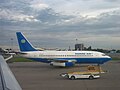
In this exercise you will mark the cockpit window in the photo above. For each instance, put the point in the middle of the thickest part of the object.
(103, 55)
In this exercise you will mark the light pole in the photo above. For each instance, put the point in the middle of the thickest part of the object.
(76, 41)
(11, 44)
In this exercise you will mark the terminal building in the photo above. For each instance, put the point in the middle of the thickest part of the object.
(79, 47)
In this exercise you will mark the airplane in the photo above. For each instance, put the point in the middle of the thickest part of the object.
(7, 79)
(59, 58)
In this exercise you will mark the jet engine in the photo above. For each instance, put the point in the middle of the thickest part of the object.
(62, 64)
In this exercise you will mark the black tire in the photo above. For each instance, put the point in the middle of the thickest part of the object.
(72, 78)
(51, 64)
(91, 77)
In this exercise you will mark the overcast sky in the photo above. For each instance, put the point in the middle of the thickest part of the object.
(57, 23)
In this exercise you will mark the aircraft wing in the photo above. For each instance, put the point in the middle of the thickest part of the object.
(7, 79)
(62, 62)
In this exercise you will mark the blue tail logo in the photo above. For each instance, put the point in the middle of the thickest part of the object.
(24, 44)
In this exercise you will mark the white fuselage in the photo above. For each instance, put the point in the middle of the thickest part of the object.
(68, 55)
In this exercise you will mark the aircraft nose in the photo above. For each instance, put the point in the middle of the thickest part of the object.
(109, 58)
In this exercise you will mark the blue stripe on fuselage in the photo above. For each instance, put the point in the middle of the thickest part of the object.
(79, 60)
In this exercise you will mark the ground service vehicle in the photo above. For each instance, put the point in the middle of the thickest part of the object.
(76, 75)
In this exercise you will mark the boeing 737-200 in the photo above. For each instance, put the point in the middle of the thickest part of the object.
(59, 58)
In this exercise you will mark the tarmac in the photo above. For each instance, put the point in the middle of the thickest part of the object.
(41, 76)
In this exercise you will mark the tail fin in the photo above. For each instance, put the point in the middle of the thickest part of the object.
(24, 44)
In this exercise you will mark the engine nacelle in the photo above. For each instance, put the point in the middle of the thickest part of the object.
(62, 64)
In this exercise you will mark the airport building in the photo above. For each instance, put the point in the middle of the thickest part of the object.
(79, 47)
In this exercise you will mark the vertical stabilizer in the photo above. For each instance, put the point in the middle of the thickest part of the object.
(24, 44)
